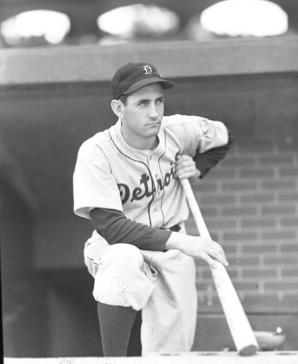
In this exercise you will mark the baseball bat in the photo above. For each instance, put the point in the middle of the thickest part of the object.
(241, 331)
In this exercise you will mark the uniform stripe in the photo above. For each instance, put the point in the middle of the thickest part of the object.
(149, 172)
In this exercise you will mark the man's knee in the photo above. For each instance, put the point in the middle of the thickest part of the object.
(124, 255)
(121, 280)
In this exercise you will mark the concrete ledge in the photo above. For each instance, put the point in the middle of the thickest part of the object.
(173, 59)
(281, 357)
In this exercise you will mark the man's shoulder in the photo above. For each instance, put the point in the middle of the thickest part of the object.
(179, 120)
(177, 123)
(92, 145)
(172, 120)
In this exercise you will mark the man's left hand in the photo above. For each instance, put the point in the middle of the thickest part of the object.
(186, 168)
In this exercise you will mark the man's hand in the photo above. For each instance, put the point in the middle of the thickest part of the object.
(186, 168)
(198, 247)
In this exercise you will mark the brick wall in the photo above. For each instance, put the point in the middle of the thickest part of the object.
(250, 204)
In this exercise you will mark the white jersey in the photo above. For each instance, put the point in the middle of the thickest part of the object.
(140, 183)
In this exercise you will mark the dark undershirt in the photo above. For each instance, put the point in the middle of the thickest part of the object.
(116, 228)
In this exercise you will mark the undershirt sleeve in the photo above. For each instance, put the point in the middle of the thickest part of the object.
(207, 160)
(116, 228)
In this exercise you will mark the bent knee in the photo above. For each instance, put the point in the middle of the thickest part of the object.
(125, 254)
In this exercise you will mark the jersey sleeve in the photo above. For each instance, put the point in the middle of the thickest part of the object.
(205, 140)
(93, 183)
(209, 159)
(197, 134)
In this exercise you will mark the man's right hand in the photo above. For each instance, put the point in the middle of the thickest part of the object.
(198, 247)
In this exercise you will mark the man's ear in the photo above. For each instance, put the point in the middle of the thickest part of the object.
(117, 107)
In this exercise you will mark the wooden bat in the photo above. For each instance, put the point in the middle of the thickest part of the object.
(241, 331)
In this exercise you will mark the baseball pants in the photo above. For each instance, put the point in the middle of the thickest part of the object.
(161, 284)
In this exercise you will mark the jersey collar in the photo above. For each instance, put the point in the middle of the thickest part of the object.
(137, 154)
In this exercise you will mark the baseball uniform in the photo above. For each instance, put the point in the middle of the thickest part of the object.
(140, 184)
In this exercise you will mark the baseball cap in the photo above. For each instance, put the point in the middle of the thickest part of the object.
(133, 76)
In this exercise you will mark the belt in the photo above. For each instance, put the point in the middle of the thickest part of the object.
(175, 228)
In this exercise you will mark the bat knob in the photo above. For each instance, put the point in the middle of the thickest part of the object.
(248, 350)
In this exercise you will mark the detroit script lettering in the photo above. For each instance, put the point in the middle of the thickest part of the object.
(146, 188)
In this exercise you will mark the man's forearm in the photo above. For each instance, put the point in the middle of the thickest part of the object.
(116, 228)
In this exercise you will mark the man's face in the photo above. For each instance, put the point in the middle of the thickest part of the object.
(143, 114)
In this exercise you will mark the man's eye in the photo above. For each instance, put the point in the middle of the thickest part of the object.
(159, 101)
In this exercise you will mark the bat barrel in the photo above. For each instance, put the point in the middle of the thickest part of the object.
(242, 333)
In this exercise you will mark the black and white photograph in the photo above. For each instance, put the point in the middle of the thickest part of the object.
(149, 181)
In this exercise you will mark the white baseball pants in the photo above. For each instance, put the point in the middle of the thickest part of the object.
(161, 284)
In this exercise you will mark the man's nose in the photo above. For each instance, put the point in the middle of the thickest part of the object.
(153, 112)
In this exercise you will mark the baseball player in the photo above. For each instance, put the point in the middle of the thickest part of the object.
(127, 182)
